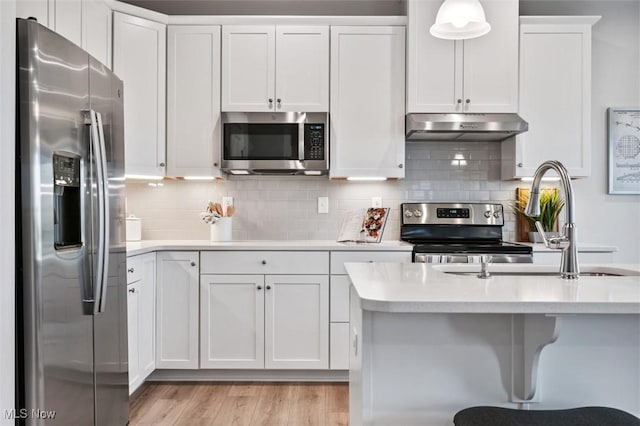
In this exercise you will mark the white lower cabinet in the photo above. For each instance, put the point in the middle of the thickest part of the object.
(339, 299)
(232, 321)
(177, 310)
(278, 320)
(141, 277)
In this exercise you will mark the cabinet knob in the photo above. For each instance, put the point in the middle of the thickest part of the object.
(131, 270)
(215, 164)
(193, 263)
(279, 101)
(270, 103)
(264, 262)
(459, 101)
(132, 290)
(400, 166)
(520, 165)
(468, 101)
(161, 164)
(259, 287)
(268, 287)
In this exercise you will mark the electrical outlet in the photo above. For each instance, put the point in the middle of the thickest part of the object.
(376, 201)
(226, 201)
(323, 204)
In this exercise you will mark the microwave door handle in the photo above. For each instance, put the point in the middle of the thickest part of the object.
(301, 141)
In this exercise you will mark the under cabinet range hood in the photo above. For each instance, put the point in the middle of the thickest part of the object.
(463, 127)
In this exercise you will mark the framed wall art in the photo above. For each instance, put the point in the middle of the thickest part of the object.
(624, 150)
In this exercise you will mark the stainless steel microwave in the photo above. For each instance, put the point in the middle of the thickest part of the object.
(275, 143)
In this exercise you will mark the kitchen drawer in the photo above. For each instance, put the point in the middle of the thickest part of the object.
(134, 269)
(264, 262)
(339, 298)
(339, 258)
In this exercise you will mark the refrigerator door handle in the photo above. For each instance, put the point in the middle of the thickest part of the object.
(103, 188)
(100, 270)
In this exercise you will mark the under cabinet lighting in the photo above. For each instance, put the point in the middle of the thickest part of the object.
(313, 173)
(199, 178)
(367, 178)
(143, 177)
(547, 179)
(239, 172)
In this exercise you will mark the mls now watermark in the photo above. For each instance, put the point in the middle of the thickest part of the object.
(23, 413)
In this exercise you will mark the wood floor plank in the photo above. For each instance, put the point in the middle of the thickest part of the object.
(228, 403)
(273, 405)
(309, 404)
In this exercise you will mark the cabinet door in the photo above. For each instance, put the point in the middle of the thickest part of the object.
(133, 328)
(367, 102)
(96, 30)
(232, 321)
(555, 87)
(193, 94)
(177, 310)
(248, 68)
(38, 9)
(434, 77)
(491, 62)
(147, 316)
(302, 68)
(67, 18)
(139, 48)
(296, 321)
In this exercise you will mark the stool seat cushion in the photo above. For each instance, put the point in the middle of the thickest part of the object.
(583, 416)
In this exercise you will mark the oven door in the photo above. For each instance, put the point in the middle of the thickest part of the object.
(269, 143)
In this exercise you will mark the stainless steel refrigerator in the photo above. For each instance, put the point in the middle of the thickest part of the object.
(71, 284)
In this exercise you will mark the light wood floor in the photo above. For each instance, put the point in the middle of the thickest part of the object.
(226, 404)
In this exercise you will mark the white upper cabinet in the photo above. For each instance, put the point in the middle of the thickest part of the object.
(96, 30)
(302, 68)
(476, 75)
(269, 68)
(367, 101)
(193, 101)
(555, 96)
(139, 59)
(38, 9)
(67, 19)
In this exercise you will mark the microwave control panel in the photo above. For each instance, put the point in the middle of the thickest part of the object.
(314, 141)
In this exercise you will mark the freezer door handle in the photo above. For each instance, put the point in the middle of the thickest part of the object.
(102, 273)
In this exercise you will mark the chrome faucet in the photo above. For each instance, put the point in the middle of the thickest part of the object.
(567, 242)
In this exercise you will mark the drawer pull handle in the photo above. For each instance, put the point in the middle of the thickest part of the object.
(131, 270)
(132, 290)
(264, 262)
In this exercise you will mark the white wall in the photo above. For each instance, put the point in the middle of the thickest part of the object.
(612, 219)
(7, 249)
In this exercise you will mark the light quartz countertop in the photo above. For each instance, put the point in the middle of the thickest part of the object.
(410, 287)
(585, 248)
(146, 246)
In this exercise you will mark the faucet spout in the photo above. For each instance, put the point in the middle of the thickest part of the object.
(568, 241)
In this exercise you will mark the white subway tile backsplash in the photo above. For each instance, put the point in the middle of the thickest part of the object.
(286, 207)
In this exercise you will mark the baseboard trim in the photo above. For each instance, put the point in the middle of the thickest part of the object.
(250, 375)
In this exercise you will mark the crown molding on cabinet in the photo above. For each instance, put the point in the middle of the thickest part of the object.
(254, 19)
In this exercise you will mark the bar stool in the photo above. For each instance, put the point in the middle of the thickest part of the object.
(583, 416)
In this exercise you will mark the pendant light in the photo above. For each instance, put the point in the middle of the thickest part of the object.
(459, 20)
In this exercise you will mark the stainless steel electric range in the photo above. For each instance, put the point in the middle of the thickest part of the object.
(459, 233)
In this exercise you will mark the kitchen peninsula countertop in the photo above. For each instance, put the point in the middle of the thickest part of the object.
(428, 288)
(146, 246)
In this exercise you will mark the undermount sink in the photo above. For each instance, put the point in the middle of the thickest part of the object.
(530, 270)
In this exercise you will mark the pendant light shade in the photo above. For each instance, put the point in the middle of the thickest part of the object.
(459, 20)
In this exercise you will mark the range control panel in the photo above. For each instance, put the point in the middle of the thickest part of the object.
(452, 214)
